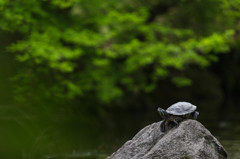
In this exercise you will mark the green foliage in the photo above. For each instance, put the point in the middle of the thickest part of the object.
(101, 48)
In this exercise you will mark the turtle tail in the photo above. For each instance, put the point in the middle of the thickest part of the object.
(195, 115)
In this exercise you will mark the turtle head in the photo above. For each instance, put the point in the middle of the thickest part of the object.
(163, 113)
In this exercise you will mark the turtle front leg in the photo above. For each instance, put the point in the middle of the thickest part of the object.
(163, 126)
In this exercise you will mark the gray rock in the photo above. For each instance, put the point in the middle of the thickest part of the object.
(190, 140)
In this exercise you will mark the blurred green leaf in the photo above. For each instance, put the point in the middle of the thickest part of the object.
(105, 48)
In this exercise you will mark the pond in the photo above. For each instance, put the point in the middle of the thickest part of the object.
(23, 136)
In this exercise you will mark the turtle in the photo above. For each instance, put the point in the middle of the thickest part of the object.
(177, 113)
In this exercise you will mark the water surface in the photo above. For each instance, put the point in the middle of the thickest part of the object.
(63, 137)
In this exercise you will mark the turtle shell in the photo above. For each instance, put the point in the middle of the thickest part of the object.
(181, 108)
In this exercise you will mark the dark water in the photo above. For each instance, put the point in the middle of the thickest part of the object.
(25, 136)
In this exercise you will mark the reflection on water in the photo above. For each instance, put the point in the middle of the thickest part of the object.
(26, 137)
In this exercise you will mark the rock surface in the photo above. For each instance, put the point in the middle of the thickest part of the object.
(190, 140)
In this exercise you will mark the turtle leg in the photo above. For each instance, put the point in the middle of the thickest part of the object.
(195, 114)
(169, 125)
(176, 122)
(163, 126)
